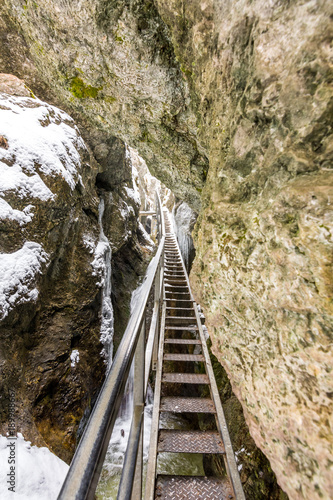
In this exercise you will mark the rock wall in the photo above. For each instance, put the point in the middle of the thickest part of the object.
(50, 303)
(263, 268)
(113, 65)
(184, 219)
(245, 84)
(53, 267)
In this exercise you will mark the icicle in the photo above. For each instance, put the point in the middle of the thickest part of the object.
(107, 328)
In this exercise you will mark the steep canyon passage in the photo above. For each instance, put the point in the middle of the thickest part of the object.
(176, 349)
(225, 109)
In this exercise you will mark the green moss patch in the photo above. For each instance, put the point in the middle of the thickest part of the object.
(82, 91)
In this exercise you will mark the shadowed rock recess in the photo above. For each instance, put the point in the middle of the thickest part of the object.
(230, 103)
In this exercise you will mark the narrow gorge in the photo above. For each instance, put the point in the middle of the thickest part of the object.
(229, 104)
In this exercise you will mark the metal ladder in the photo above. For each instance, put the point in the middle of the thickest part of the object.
(181, 333)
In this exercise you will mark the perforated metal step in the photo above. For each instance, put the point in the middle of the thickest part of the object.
(193, 488)
(187, 303)
(182, 341)
(176, 441)
(175, 295)
(176, 288)
(187, 405)
(185, 378)
(179, 308)
(185, 328)
(183, 357)
(170, 278)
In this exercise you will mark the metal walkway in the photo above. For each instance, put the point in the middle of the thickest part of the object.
(183, 367)
(174, 346)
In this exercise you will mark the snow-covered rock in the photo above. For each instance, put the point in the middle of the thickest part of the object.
(39, 473)
(50, 305)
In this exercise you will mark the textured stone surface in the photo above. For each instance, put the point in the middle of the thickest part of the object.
(263, 269)
(37, 336)
(58, 309)
(248, 85)
(118, 72)
(12, 85)
(264, 245)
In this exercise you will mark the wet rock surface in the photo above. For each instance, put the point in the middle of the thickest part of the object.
(51, 301)
(39, 332)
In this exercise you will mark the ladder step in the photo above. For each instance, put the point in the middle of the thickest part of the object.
(180, 308)
(187, 328)
(193, 488)
(170, 299)
(175, 288)
(176, 441)
(187, 405)
(176, 282)
(174, 275)
(182, 341)
(183, 357)
(181, 319)
(185, 378)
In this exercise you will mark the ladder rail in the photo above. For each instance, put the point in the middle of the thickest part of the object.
(228, 454)
(152, 453)
(230, 460)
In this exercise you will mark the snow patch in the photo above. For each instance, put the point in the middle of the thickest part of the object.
(42, 139)
(18, 272)
(40, 473)
(98, 264)
(133, 194)
(75, 357)
(21, 216)
(89, 242)
(26, 186)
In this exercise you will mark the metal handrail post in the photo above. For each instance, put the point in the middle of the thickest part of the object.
(126, 485)
(157, 300)
(139, 401)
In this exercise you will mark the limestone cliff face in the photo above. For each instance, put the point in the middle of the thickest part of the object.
(53, 267)
(50, 302)
(247, 85)
(113, 64)
(264, 237)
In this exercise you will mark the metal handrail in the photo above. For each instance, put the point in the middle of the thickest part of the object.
(86, 466)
